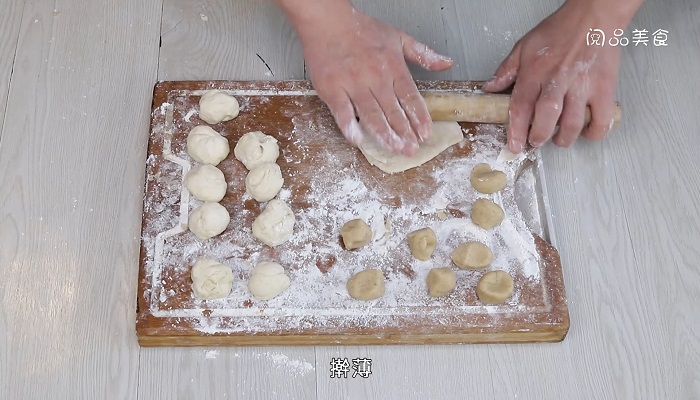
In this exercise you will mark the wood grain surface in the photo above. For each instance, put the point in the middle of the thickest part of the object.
(625, 210)
(305, 130)
(10, 19)
(73, 141)
(244, 40)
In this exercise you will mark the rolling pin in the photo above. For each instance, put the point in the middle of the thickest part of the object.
(483, 108)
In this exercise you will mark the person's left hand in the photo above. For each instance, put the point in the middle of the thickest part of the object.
(558, 75)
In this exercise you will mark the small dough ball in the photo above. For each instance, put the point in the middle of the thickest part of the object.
(472, 255)
(255, 148)
(441, 281)
(495, 287)
(264, 181)
(366, 285)
(275, 224)
(206, 146)
(267, 280)
(486, 180)
(209, 220)
(422, 243)
(206, 183)
(216, 106)
(211, 279)
(355, 233)
(487, 214)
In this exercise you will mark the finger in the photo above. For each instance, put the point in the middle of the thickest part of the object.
(522, 105)
(414, 106)
(602, 112)
(374, 122)
(547, 112)
(420, 54)
(396, 117)
(344, 115)
(572, 120)
(506, 72)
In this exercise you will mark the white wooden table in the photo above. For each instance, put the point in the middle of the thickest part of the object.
(75, 91)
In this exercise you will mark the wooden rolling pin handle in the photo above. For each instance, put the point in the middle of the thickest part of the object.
(483, 108)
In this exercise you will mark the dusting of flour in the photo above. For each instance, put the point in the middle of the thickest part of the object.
(316, 263)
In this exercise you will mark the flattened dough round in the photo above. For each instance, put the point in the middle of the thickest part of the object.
(472, 255)
(216, 106)
(441, 281)
(264, 181)
(366, 285)
(255, 148)
(275, 224)
(494, 287)
(267, 280)
(355, 233)
(211, 279)
(486, 180)
(206, 146)
(422, 243)
(206, 183)
(487, 214)
(445, 135)
(209, 220)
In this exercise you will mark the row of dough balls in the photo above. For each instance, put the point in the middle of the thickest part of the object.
(494, 287)
(206, 182)
(258, 152)
(214, 280)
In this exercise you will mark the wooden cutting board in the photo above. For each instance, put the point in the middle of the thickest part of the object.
(328, 182)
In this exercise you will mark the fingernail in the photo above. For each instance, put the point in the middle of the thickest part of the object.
(424, 132)
(516, 146)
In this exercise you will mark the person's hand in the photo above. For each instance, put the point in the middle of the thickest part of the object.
(358, 67)
(557, 75)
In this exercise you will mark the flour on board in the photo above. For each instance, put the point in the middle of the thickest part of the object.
(319, 269)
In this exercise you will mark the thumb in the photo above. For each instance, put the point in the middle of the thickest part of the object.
(506, 72)
(420, 54)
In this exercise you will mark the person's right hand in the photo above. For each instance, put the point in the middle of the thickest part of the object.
(358, 67)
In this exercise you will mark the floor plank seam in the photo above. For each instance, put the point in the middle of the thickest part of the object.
(444, 23)
(160, 38)
(624, 215)
(12, 72)
(315, 360)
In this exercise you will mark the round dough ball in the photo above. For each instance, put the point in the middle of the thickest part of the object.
(487, 214)
(206, 183)
(275, 224)
(216, 106)
(264, 181)
(486, 180)
(472, 255)
(267, 280)
(422, 243)
(494, 287)
(206, 146)
(255, 148)
(209, 220)
(366, 285)
(355, 233)
(211, 279)
(441, 281)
